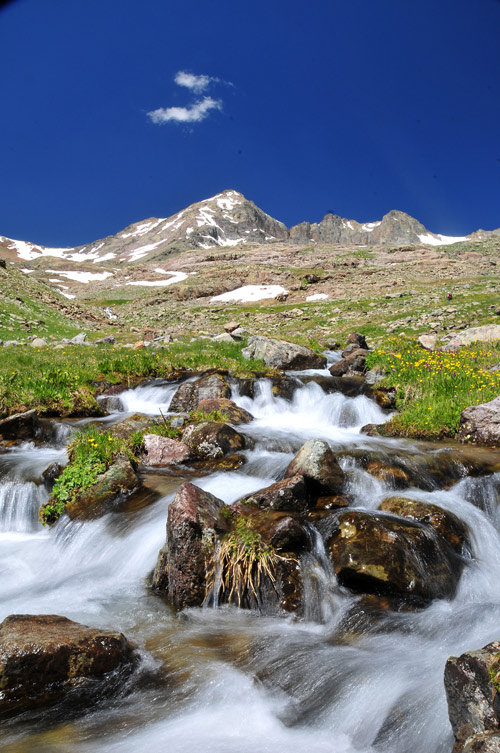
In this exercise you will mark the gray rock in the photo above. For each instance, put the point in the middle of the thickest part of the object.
(212, 440)
(317, 463)
(427, 341)
(20, 425)
(290, 495)
(190, 394)
(480, 424)
(225, 337)
(79, 339)
(39, 342)
(278, 354)
(162, 451)
(471, 683)
(108, 340)
(486, 333)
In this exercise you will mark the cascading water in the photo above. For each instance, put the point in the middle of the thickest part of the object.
(339, 680)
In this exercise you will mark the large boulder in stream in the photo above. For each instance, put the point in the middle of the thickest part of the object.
(290, 494)
(45, 658)
(472, 683)
(400, 559)
(228, 409)
(278, 354)
(190, 394)
(211, 440)
(163, 451)
(446, 524)
(318, 465)
(195, 520)
(20, 425)
(480, 424)
(111, 489)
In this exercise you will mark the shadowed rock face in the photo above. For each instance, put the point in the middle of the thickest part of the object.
(389, 556)
(190, 394)
(111, 488)
(316, 462)
(43, 657)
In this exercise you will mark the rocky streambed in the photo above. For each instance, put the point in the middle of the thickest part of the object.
(374, 561)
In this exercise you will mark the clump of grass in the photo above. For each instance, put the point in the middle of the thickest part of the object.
(433, 388)
(239, 564)
(90, 454)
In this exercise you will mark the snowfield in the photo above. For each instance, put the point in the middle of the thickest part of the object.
(250, 293)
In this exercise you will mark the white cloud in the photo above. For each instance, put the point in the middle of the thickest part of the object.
(193, 114)
(190, 81)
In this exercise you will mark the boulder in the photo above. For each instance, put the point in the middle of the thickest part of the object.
(485, 333)
(480, 424)
(20, 425)
(227, 408)
(288, 535)
(278, 354)
(190, 394)
(212, 440)
(290, 494)
(446, 524)
(396, 477)
(231, 326)
(161, 451)
(44, 657)
(428, 341)
(317, 463)
(353, 363)
(380, 554)
(124, 429)
(194, 521)
(108, 340)
(38, 342)
(357, 339)
(472, 690)
(79, 339)
(111, 489)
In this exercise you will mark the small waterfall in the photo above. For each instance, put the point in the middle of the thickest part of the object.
(19, 505)
(321, 596)
(151, 399)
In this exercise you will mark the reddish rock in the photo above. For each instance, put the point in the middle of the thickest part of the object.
(42, 657)
(160, 451)
(193, 523)
(190, 394)
(212, 440)
(480, 424)
(228, 409)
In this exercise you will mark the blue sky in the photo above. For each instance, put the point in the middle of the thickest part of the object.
(350, 106)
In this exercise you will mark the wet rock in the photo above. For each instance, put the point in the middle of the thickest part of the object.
(227, 408)
(288, 535)
(351, 386)
(20, 425)
(446, 524)
(44, 657)
(110, 403)
(124, 429)
(190, 394)
(194, 522)
(480, 424)
(51, 473)
(110, 490)
(278, 354)
(389, 556)
(161, 451)
(212, 439)
(389, 474)
(290, 494)
(472, 690)
(317, 463)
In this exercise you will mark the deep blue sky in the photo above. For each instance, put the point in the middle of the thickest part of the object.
(350, 106)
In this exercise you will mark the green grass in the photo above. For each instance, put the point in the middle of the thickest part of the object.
(433, 388)
(90, 454)
(64, 382)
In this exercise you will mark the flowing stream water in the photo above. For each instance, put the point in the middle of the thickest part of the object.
(223, 680)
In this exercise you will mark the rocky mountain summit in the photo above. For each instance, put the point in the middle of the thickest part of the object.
(225, 220)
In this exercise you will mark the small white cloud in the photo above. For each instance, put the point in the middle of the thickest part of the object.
(193, 114)
(190, 81)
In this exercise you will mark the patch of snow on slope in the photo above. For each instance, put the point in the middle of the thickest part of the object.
(370, 226)
(249, 293)
(85, 277)
(317, 297)
(144, 227)
(138, 253)
(227, 202)
(176, 277)
(66, 295)
(441, 240)
(30, 251)
(27, 271)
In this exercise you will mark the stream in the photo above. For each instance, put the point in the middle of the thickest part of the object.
(225, 680)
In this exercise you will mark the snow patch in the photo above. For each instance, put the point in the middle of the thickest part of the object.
(138, 253)
(441, 240)
(370, 226)
(317, 297)
(84, 277)
(249, 293)
(176, 277)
